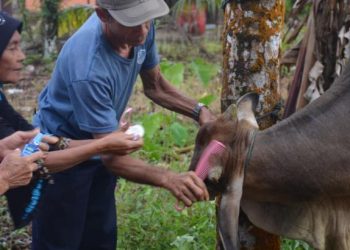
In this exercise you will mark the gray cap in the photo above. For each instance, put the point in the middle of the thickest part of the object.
(134, 12)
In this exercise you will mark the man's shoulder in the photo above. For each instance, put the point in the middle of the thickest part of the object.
(79, 53)
(87, 35)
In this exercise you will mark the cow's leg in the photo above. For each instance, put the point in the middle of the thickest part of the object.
(229, 213)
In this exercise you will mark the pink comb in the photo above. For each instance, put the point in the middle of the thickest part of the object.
(203, 166)
(214, 148)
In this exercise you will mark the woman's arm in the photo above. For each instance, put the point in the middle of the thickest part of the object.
(115, 143)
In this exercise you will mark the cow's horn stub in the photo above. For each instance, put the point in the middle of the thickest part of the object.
(246, 106)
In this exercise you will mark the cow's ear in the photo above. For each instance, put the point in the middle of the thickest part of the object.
(230, 113)
(246, 106)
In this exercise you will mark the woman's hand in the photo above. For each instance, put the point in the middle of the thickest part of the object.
(16, 170)
(16, 140)
(20, 138)
(47, 139)
(120, 143)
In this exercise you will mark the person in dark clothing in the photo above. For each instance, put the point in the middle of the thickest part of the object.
(10, 120)
(10, 28)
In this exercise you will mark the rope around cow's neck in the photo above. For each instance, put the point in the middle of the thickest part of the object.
(250, 149)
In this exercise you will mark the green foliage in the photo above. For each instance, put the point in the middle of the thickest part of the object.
(295, 245)
(47, 63)
(207, 99)
(72, 18)
(213, 47)
(49, 12)
(178, 134)
(173, 72)
(204, 71)
(163, 134)
(289, 6)
(24, 13)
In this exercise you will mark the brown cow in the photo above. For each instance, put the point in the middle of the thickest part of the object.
(292, 179)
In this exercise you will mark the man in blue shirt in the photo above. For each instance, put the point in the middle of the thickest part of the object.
(89, 89)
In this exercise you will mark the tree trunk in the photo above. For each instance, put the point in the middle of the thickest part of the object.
(251, 47)
(50, 9)
(323, 54)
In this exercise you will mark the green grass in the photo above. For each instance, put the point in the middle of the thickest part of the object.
(147, 219)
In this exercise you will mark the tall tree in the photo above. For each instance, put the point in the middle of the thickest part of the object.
(251, 47)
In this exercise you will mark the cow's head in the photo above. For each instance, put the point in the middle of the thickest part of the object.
(234, 128)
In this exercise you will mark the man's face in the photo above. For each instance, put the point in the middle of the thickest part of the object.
(132, 36)
(11, 60)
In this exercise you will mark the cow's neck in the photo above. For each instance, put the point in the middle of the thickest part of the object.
(307, 155)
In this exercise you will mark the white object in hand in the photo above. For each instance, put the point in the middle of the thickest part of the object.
(136, 130)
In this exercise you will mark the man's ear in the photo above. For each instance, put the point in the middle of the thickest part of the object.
(103, 15)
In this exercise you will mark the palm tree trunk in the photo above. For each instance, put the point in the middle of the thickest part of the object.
(251, 47)
(323, 54)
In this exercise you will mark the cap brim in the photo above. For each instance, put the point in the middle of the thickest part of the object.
(141, 13)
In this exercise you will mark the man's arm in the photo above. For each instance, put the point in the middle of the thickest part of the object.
(159, 90)
(186, 187)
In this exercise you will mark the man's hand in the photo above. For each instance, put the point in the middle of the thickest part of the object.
(16, 170)
(186, 187)
(120, 143)
(206, 116)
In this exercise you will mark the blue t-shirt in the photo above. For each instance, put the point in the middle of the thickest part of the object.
(91, 84)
